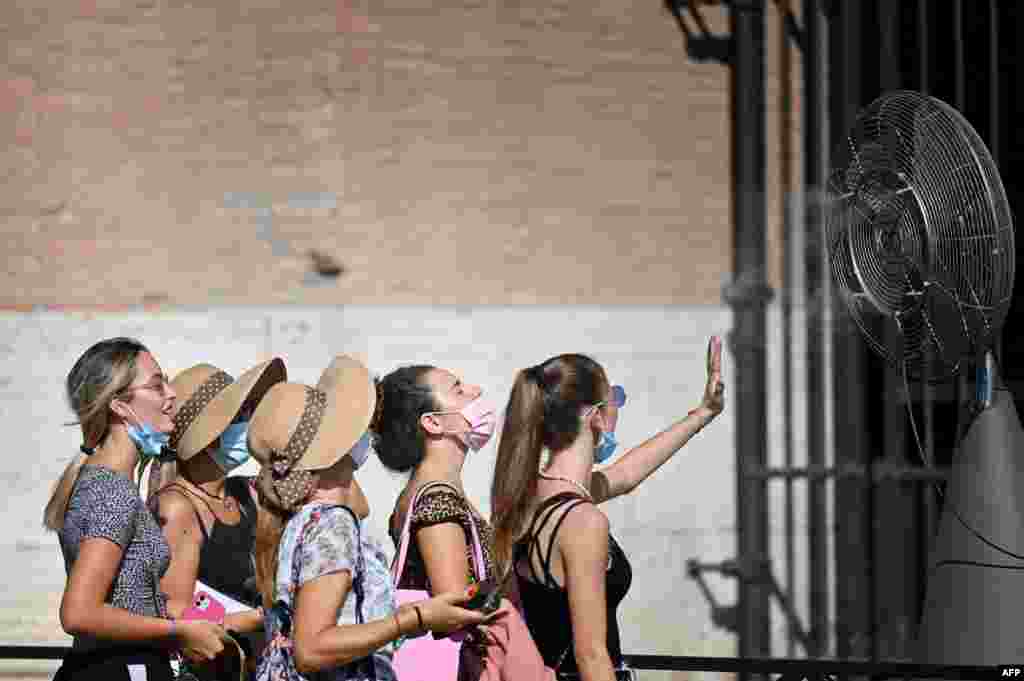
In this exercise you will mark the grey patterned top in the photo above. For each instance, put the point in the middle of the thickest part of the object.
(105, 503)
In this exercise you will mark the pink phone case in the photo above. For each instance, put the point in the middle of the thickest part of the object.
(205, 607)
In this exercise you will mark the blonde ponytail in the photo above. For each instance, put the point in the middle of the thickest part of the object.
(102, 373)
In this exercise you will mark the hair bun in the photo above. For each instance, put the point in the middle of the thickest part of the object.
(535, 374)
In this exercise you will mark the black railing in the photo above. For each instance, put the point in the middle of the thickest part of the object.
(814, 669)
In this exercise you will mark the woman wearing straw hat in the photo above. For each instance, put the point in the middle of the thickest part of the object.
(209, 519)
(113, 549)
(333, 606)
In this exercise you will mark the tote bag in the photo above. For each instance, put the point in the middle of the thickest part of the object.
(425, 658)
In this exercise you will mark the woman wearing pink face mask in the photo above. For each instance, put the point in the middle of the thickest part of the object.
(428, 421)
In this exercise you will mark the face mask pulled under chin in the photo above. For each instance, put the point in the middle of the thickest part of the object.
(605, 448)
(606, 445)
(149, 441)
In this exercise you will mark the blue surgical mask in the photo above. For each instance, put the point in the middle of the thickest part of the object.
(605, 447)
(360, 451)
(234, 447)
(150, 442)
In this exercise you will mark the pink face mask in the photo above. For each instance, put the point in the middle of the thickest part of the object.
(481, 417)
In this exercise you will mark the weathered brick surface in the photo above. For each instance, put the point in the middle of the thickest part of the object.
(469, 151)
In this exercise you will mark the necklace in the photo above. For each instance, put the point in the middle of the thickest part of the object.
(575, 483)
(227, 501)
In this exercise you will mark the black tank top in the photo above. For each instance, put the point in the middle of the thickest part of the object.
(225, 559)
(546, 604)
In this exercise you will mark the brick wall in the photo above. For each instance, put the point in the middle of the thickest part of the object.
(462, 151)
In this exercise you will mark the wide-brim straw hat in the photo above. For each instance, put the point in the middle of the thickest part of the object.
(210, 400)
(297, 429)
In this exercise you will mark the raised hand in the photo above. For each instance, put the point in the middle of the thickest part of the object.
(714, 391)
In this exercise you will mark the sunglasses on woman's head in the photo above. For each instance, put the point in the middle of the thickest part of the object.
(616, 397)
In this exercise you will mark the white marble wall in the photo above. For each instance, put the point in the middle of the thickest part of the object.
(687, 510)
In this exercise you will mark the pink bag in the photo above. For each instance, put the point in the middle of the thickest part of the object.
(426, 658)
(511, 654)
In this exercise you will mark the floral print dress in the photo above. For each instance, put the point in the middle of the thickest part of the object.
(318, 540)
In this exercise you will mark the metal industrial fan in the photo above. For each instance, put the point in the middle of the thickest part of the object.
(920, 240)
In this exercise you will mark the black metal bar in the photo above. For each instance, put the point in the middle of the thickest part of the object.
(813, 666)
(15, 651)
(959, 81)
(854, 502)
(929, 506)
(748, 294)
(815, 178)
(678, 663)
(923, 74)
(993, 106)
(786, 187)
(895, 579)
(960, 382)
(876, 472)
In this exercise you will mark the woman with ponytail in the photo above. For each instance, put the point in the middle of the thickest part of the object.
(114, 552)
(570, 571)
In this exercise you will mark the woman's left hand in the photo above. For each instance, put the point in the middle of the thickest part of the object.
(714, 391)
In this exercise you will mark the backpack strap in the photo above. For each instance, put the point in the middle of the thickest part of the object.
(357, 582)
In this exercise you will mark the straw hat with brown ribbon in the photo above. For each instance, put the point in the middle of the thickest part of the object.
(210, 400)
(297, 430)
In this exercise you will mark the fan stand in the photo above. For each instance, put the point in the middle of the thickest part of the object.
(975, 593)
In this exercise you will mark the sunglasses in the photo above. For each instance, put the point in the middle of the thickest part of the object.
(617, 397)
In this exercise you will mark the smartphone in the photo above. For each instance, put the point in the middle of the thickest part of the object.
(205, 607)
(487, 597)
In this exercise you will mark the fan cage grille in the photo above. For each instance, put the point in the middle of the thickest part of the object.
(920, 234)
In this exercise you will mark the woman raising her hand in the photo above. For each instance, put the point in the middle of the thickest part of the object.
(571, 572)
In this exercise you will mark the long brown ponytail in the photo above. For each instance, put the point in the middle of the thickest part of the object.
(515, 471)
(543, 411)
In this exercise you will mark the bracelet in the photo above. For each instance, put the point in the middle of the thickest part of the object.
(398, 623)
(174, 627)
(419, 617)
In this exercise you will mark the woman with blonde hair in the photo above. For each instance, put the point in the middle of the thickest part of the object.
(570, 571)
(114, 552)
(325, 583)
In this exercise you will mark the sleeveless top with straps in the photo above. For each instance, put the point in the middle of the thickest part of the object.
(225, 559)
(442, 503)
(546, 603)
